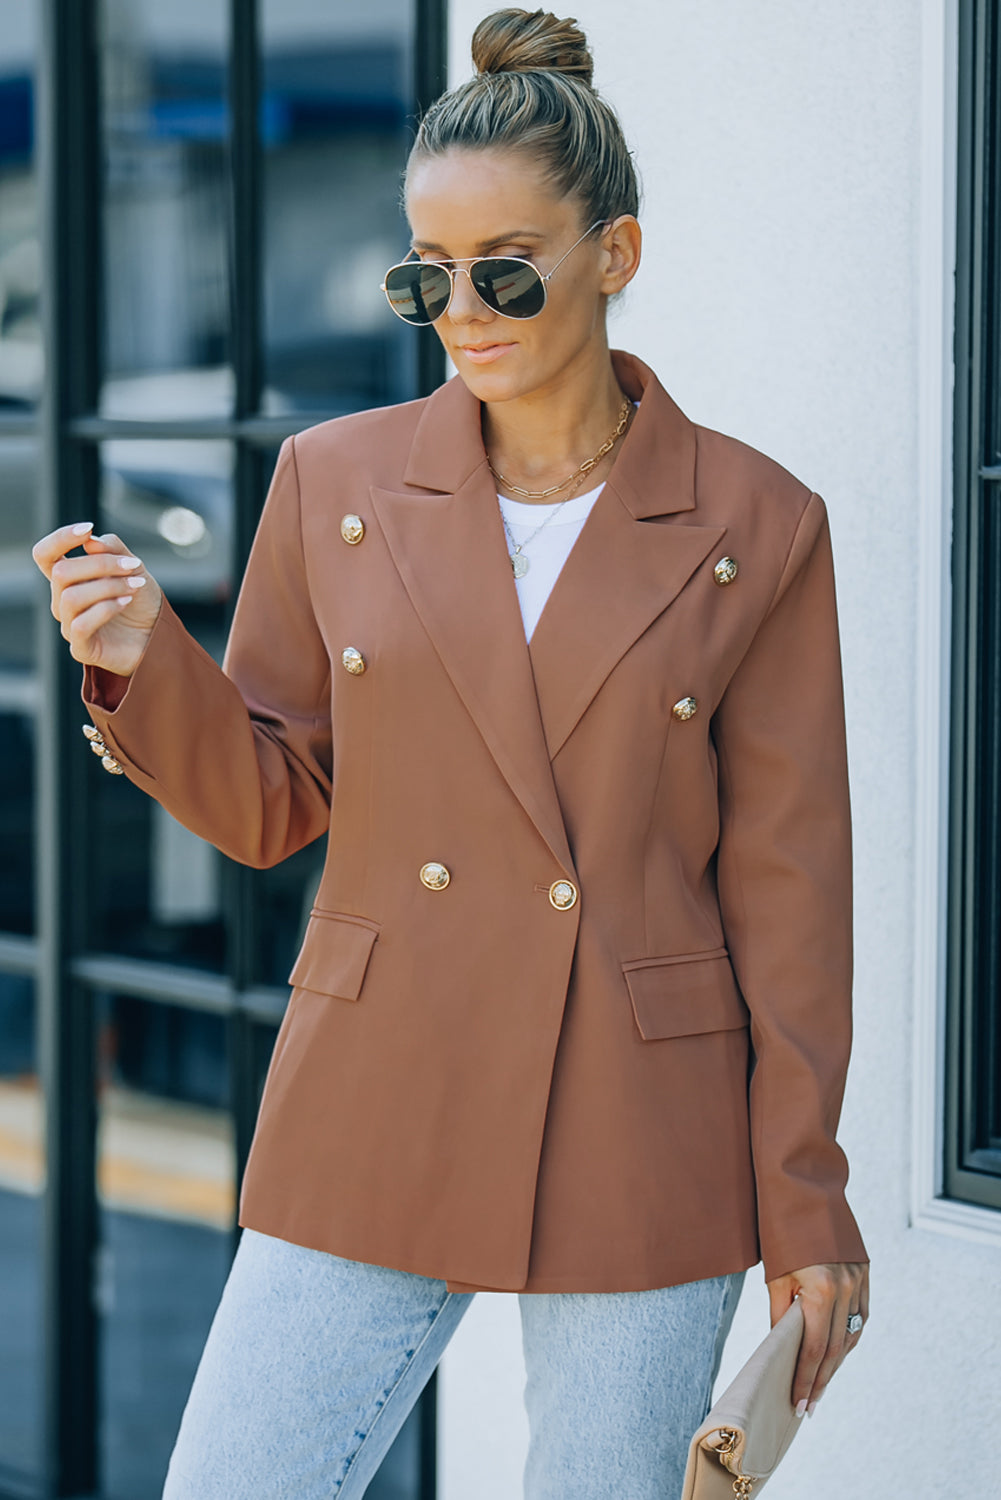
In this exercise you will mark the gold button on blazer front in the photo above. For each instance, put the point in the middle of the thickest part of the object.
(435, 876)
(352, 529)
(684, 708)
(353, 661)
(563, 894)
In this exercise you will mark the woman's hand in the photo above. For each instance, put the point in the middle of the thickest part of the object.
(828, 1295)
(106, 602)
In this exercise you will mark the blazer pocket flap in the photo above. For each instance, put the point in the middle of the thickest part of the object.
(685, 994)
(334, 954)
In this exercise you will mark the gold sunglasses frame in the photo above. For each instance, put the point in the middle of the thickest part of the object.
(451, 267)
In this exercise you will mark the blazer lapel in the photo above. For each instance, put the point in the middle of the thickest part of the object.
(451, 554)
(620, 575)
(625, 567)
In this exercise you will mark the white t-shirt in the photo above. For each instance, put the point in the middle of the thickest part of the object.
(548, 550)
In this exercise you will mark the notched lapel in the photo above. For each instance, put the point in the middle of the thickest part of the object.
(620, 575)
(451, 554)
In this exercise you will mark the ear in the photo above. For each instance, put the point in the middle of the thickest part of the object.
(623, 245)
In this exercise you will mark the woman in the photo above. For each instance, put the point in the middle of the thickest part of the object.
(572, 1013)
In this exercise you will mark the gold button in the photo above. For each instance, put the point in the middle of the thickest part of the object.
(99, 747)
(352, 529)
(353, 661)
(562, 894)
(725, 570)
(684, 708)
(435, 876)
(111, 764)
(91, 731)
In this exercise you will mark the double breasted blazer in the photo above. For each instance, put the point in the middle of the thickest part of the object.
(572, 1011)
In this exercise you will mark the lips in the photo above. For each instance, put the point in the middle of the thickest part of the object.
(483, 354)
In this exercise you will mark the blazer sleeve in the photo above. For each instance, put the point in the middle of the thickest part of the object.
(784, 868)
(239, 753)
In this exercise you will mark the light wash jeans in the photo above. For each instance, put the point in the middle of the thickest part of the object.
(313, 1363)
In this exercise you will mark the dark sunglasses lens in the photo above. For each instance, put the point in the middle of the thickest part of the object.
(510, 287)
(418, 292)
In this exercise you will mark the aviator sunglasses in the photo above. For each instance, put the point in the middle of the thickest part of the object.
(419, 291)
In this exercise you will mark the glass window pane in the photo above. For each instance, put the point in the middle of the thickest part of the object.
(19, 577)
(20, 252)
(336, 96)
(22, 1181)
(166, 1186)
(159, 886)
(17, 821)
(19, 596)
(165, 127)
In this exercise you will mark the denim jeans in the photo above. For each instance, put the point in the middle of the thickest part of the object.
(313, 1363)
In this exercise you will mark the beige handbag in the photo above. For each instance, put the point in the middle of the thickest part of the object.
(752, 1424)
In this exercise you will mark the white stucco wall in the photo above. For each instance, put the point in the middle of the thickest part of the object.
(795, 217)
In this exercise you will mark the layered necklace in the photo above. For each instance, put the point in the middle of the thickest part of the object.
(520, 564)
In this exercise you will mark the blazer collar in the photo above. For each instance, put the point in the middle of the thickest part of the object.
(653, 475)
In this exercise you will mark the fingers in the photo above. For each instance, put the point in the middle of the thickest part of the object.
(837, 1337)
(77, 601)
(828, 1294)
(49, 549)
(78, 582)
(80, 630)
(88, 591)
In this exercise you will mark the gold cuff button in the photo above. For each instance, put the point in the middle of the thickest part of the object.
(725, 570)
(111, 764)
(352, 529)
(99, 747)
(91, 731)
(353, 661)
(684, 708)
(563, 894)
(435, 876)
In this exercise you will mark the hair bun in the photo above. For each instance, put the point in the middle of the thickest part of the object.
(518, 41)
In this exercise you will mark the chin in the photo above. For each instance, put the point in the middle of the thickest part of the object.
(493, 384)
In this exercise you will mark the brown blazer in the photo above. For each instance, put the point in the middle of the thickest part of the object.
(472, 1082)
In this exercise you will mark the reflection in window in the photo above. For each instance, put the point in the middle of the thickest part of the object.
(17, 846)
(19, 576)
(165, 131)
(336, 98)
(158, 885)
(171, 501)
(20, 252)
(166, 1185)
(22, 1180)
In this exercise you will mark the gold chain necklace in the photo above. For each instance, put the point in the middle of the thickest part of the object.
(577, 474)
(520, 564)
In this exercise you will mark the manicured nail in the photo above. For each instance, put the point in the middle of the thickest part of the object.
(801, 1408)
(129, 562)
(812, 1407)
(82, 527)
(136, 583)
(124, 599)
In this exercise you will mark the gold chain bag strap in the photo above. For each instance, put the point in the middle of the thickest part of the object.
(740, 1443)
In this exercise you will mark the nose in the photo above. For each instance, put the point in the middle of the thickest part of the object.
(466, 306)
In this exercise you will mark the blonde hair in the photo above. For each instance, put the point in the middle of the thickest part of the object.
(532, 93)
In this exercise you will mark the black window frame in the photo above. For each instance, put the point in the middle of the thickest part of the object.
(68, 975)
(972, 1133)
